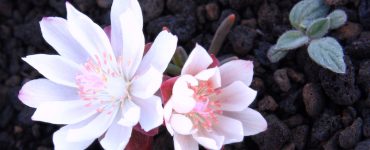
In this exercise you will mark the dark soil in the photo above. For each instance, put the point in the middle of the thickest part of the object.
(306, 106)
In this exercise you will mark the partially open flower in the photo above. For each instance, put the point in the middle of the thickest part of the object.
(101, 84)
(209, 106)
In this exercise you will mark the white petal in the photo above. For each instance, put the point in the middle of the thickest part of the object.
(64, 112)
(209, 140)
(237, 70)
(181, 86)
(133, 43)
(182, 104)
(181, 124)
(167, 112)
(145, 85)
(93, 129)
(117, 136)
(130, 114)
(151, 112)
(223, 128)
(35, 92)
(161, 52)
(60, 137)
(55, 68)
(118, 8)
(198, 60)
(236, 96)
(91, 36)
(184, 142)
(253, 122)
(55, 31)
(212, 75)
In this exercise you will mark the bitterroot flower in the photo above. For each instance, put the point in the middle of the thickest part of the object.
(209, 105)
(101, 84)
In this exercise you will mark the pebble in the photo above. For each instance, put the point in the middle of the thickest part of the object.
(242, 38)
(104, 3)
(275, 136)
(349, 31)
(213, 11)
(351, 135)
(336, 2)
(300, 136)
(295, 76)
(349, 114)
(360, 48)
(324, 127)
(340, 88)
(267, 16)
(332, 143)
(181, 6)
(294, 121)
(364, 13)
(151, 9)
(364, 75)
(267, 104)
(29, 33)
(366, 126)
(288, 103)
(282, 80)
(24, 117)
(364, 145)
(6, 116)
(313, 99)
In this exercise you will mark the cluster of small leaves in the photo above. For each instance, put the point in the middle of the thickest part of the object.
(311, 23)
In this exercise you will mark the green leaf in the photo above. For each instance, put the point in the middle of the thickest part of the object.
(337, 18)
(291, 39)
(304, 12)
(328, 53)
(274, 54)
(318, 28)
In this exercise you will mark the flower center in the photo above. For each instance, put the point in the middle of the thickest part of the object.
(207, 107)
(103, 83)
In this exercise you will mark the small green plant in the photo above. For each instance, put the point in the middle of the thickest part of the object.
(311, 23)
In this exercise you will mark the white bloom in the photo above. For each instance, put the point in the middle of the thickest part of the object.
(209, 106)
(99, 86)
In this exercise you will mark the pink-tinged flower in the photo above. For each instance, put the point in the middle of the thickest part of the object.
(101, 84)
(209, 105)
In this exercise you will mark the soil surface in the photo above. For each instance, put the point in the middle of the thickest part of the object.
(306, 106)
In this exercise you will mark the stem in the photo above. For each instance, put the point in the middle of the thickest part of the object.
(173, 69)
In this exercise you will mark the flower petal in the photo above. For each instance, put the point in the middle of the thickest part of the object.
(130, 114)
(145, 85)
(64, 112)
(166, 89)
(184, 142)
(236, 96)
(161, 52)
(181, 124)
(198, 60)
(253, 122)
(37, 91)
(183, 104)
(133, 43)
(55, 31)
(55, 68)
(90, 35)
(212, 75)
(151, 112)
(237, 70)
(117, 36)
(209, 140)
(167, 112)
(223, 128)
(60, 137)
(182, 96)
(116, 137)
(93, 129)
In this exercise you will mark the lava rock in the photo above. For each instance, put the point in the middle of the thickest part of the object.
(364, 75)
(282, 79)
(104, 3)
(364, 145)
(242, 38)
(183, 26)
(212, 11)
(348, 116)
(364, 13)
(181, 6)
(268, 16)
(294, 121)
(340, 88)
(29, 33)
(6, 116)
(267, 103)
(261, 52)
(257, 84)
(239, 4)
(332, 143)
(313, 99)
(351, 135)
(288, 104)
(6, 8)
(300, 136)
(360, 48)
(151, 9)
(336, 2)
(24, 117)
(58, 5)
(324, 127)
(275, 136)
(295, 76)
(349, 31)
(6, 141)
(366, 126)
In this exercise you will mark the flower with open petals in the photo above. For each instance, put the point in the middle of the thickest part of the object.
(101, 84)
(209, 105)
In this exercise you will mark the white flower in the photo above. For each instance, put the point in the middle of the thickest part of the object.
(209, 106)
(100, 85)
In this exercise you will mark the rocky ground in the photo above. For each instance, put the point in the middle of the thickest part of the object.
(306, 106)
